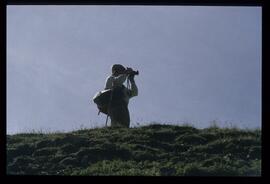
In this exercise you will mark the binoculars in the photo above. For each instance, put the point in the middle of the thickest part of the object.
(132, 72)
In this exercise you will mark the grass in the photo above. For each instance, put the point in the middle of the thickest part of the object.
(153, 150)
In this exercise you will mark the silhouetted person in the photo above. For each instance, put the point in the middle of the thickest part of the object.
(119, 99)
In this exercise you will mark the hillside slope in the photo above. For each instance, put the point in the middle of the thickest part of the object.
(150, 150)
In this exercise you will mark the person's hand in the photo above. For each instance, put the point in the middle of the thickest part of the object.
(131, 77)
(129, 70)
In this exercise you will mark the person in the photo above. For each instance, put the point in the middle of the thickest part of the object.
(120, 96)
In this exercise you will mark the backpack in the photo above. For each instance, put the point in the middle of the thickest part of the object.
(103, 98)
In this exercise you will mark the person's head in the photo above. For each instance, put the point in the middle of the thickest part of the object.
(117, 69)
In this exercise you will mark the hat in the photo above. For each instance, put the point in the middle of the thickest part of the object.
(118, 68)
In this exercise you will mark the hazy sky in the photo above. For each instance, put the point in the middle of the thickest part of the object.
(197, 64)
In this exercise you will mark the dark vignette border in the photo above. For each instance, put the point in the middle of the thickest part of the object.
(265, 57)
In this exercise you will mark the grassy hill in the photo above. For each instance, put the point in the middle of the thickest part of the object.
(153, 150)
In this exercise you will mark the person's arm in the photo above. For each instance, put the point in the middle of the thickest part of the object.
(109, 82)
(134, 88)
(119, 80)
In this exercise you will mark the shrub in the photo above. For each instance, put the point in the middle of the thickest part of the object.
(255, 152)
(45, 151)
(19, 165)
(69, 148)
(69, 161)
(43, 143)
(196, 169)
(191, 139)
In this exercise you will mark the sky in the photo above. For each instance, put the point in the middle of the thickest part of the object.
(196, 64)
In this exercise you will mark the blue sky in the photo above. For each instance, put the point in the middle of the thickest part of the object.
(197, 64)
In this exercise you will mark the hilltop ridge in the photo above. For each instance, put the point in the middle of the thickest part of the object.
(154, 150)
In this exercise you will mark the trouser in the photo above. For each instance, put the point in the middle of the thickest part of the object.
(119, 115)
